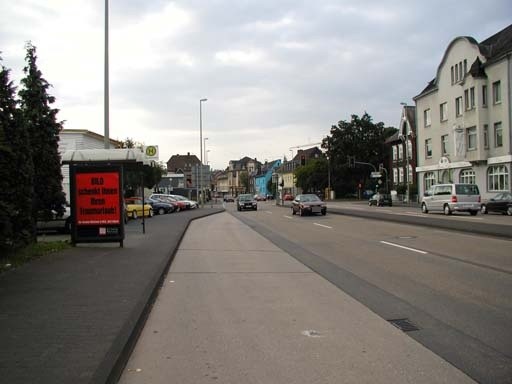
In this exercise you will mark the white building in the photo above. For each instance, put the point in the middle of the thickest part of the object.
(464, 116)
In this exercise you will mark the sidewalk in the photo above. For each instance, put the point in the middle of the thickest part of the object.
(237, 309)
(70, 317)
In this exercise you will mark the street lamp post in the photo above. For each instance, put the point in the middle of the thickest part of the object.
(203, 191)
(405, 139)
(200, 186)
(106, 84)
(293, 176)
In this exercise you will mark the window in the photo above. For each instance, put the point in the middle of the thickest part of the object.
(471, 97)
(498, 135)
(444, 144)
(486, 136)
(409, 148)
(400, 152)
(466, 99)
(456, 72)
(497, 178)
(395, 175)
(443, 111)
(395, 153)
(484, 95)
(460, 71)
(428, 148)
(453, 78)
(409, 176)
(471, 135)
(465, 67)
(496, 92)
(430, 180)
(426, 117)
(401, 175)
(458, 106)
(467, 176)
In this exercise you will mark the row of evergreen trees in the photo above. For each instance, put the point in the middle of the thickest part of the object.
(30, 173)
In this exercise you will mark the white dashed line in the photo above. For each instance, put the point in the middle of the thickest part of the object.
(401, 246)
(288, 217)
(321, 225)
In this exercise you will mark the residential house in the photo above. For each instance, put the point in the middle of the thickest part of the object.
(188, 165)
(264, 175)
(238, 174)
(464, 116)
(402, 162)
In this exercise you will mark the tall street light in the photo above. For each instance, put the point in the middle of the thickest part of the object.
(106, 84)
(200, 186)
(203, 192)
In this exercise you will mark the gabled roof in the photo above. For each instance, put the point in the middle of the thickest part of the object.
(492, 48)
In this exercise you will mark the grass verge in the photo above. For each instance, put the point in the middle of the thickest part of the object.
(33, 251)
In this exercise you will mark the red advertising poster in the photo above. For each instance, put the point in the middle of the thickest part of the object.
(97, 198)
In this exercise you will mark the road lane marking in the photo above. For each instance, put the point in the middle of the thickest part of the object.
(401, 246)
(288, 217)
(268, 212)
(321, 225)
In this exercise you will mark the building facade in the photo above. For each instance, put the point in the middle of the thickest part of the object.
(402, 163)
(264, 176)
(464, 115)
(187, 165)
(239, 172)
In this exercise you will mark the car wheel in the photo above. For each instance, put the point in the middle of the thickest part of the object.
(509, 211)
(301, 212)
(134, 215)
(255, 208)
(161, 211)
(483, 209)
(178, 209)
(473, 213)
(293, 211)
(324, 213)
(424, 208)
(150, 213)
(447, 210)
(369, 203)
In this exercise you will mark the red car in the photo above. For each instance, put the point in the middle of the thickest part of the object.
(288, 197)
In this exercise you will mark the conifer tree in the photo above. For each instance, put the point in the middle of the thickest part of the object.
(16, 171)
(43, 128)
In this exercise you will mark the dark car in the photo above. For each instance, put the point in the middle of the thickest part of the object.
(380, 199)
(60, 223)
(260, 197)
(246, 201)
(308, 204)
(160, 207)
(498, 203)
(229, 199)
(288, 197)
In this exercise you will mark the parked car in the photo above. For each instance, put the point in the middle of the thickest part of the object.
(246, 201)
(60, 223)
(498, 203)
(509, 209)
(260, 198)
(288, 197)
(191, 204)
(229, 199)
(178, 205)
(160, 207)
(134, 208)
(380, 199)
(308, 204)
(450, 198)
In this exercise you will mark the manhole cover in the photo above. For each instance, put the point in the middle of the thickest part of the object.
(404, 324)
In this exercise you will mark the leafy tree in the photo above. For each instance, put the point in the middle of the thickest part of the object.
(43, 129)
(362, 138)
(244, 180)
(16, 171)
(312, 177)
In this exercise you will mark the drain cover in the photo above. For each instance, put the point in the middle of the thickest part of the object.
(404, 324)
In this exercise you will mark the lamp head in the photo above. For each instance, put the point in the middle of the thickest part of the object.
(203, 100)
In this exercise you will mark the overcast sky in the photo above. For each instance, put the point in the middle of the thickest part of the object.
(277, 73)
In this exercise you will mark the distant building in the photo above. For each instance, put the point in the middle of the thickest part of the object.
(464, 116)
(402, 144)
(262, 178)
(238, 171)
(188, 166)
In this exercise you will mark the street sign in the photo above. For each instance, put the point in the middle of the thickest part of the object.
(375, 175)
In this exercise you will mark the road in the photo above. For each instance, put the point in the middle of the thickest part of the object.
(454, 286)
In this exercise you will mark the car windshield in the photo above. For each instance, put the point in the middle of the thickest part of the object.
(245, 197)
(309, 198)
(467, 189)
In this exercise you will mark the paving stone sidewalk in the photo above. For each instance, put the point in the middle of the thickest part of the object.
(71, 317)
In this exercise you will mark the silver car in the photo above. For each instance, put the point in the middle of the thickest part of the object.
(450, 198)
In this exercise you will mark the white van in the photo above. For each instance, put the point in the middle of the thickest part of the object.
(450, 198)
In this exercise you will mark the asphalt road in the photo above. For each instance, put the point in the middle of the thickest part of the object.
(454, 286)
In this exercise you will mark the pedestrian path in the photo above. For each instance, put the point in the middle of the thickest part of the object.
(234, 308)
